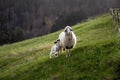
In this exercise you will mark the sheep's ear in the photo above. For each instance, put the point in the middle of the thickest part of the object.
(58, 40)
(55, 42)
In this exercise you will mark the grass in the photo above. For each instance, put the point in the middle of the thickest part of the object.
(95, 57)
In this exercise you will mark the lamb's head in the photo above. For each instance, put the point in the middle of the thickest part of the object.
(68, 30)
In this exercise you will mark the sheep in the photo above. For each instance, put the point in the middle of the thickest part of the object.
(55, 48)
(67, 40)
(112, 11)
(119, 22)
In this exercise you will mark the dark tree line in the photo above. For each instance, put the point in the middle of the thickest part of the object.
(23, 19)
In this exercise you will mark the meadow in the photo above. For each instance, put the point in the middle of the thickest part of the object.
(96, 55)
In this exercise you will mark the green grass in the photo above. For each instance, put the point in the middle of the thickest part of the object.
(95, 57)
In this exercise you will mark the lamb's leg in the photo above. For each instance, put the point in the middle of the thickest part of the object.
(68, 53)
(60, 51)
(50, 54)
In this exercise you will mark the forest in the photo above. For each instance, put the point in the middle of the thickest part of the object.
(24, 19)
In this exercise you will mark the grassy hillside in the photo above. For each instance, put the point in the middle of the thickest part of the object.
(95, 57)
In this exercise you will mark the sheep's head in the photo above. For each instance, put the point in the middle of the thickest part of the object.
(68, 30)
(111, 9)
(119, 15)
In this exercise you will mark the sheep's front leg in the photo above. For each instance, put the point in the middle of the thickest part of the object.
(67, 53)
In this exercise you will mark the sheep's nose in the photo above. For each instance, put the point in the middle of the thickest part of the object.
(68, 33)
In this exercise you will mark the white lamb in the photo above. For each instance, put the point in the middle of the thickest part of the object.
(55, 48)
(67, 39)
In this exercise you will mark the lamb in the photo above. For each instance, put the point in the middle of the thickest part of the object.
(55, 48)
(67, 40)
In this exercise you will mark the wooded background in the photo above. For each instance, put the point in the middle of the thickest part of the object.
(23, 19)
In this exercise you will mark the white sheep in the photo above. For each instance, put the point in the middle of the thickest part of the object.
(67, 39)
(119, 22)
(55, 48)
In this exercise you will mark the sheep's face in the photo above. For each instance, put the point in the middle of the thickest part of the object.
(68, 30)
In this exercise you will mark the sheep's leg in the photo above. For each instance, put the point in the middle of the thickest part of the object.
(67, 53)
(58, 52)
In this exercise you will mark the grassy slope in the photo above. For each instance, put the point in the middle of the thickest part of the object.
(95, 57)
